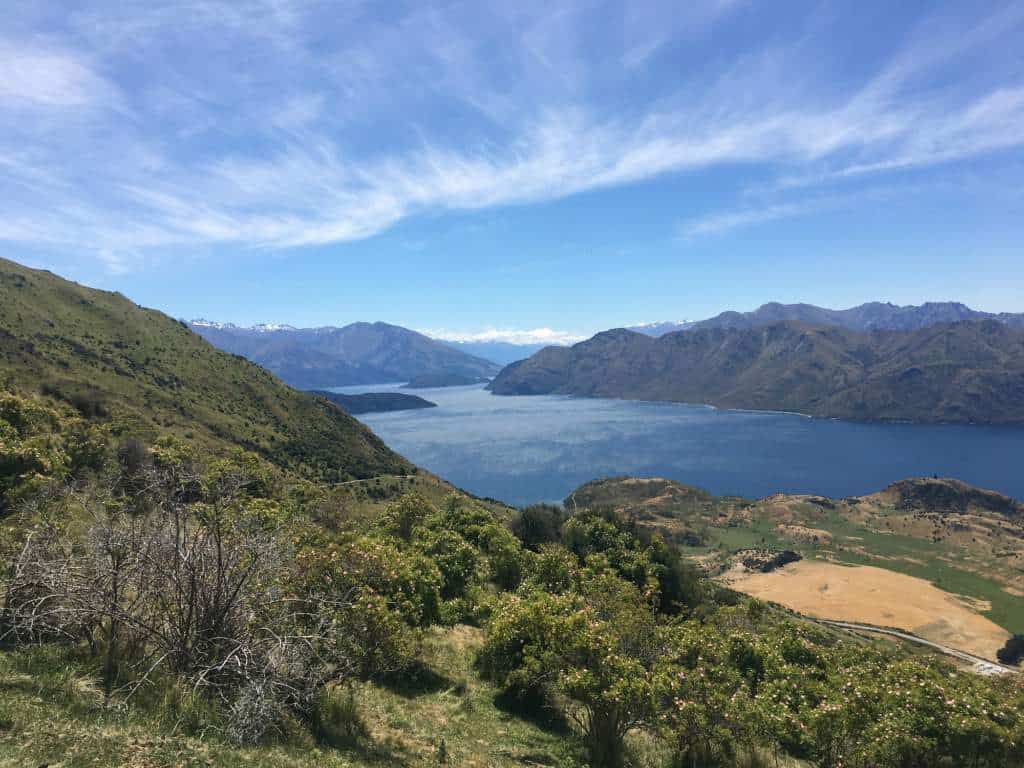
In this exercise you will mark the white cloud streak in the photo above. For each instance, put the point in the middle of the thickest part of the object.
(34, 77)
(211, 167)
(721, 223)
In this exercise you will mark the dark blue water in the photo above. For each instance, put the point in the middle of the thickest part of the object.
(527, 449)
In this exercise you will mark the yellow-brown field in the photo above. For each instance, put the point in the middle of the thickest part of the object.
(868, 595)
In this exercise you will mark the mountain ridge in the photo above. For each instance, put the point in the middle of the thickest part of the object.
(872, 315)
(500, 352)
(329, 356)
(963, 372)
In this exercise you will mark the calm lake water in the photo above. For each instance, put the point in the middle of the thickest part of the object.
(528, 449)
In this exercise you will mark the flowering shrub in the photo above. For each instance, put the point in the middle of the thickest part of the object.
(599, 648)
(792, 687)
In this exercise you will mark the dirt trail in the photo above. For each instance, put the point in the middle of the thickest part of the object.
(865, 594)
(979, 665)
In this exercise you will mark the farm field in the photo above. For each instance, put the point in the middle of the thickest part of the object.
(921, 545)
(869, 595)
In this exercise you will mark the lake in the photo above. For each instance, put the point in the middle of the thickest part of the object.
(539, 448)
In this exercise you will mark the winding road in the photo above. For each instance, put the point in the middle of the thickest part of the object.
(981, 666)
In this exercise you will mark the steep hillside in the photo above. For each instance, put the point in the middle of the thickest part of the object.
(360, 353)
(970, 372)
(147, 374)
(872, 316)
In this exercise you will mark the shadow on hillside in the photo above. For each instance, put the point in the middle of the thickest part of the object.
(533, 709)
(417, 680)
(385, 753)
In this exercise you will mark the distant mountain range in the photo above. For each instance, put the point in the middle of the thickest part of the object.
(971, 371)
(360, 353)
(872, 316)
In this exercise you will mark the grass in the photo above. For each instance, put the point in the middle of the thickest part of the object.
(51, 712)
(448, 704)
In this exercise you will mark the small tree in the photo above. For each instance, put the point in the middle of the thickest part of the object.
(600, 652)
(538, 524)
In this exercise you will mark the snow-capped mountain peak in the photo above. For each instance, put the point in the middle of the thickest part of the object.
(258, 328)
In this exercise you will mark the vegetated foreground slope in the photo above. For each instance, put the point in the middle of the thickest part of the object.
(148, 374)
(967, 541)
(360, 353)
(183, 602)
(970, 372)
(874, 315)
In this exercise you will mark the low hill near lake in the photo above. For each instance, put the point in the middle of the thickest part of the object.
(969, 372)
(442, 379)
(376, 402)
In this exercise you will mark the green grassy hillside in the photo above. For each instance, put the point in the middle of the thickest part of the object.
(146, 374)
(51, 712)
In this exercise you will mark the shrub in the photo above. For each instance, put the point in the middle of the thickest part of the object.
(457, 560)
(402, 516)
(539, 524)
(601, 649)
(194, 583)
(553, 569)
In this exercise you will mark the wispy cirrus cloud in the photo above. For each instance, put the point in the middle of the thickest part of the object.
(286, 124)
(727, 221)
(40, 77)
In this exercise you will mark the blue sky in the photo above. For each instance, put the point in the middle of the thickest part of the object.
(476, 166)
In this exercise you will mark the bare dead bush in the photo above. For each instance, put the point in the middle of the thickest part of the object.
(176, 572)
